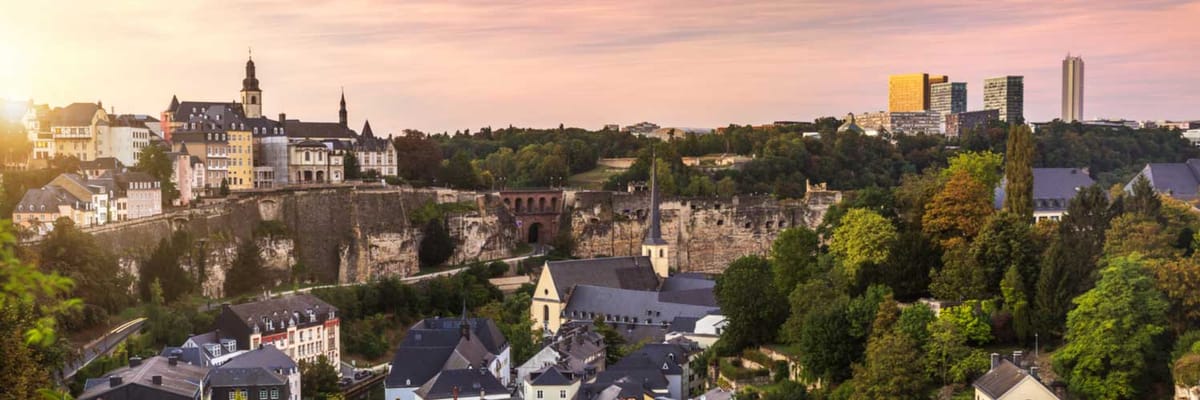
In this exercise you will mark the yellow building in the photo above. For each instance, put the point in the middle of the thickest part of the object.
(79, 130)
(910, 92)
(241, 160)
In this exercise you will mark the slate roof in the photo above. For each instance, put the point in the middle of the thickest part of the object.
(281, 309)
(267, 357)
(629, 306)
(1179, 180)
(683, 324)
(102, 163)
(633, 273)
(436, 344)
(47, 199)
(318, 130)
(243, 377)
(75, 114)
(1053, 188)
(549, 376)
(266, 126)
(487, 330)
(137, 382)
(206, 112)
(190, 355)
(1000, 380)
(468, 382)
(687, 281)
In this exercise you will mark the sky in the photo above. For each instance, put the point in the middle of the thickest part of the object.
(448, 65)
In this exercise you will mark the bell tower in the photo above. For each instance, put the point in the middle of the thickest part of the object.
(251, 94)
(654, 246)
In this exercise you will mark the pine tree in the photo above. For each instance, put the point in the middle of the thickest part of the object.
(1018, 172)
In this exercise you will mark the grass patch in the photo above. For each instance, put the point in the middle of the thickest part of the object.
(593, 179)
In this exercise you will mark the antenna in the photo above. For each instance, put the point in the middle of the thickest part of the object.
(250, 52)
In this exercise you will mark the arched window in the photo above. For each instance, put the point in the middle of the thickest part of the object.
(541, 204)
(519, 205)
(545, 313)
(253, 99)
(662, 253)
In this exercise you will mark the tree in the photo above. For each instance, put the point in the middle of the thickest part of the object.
(1018, 173)
(888, 371)
(1112, 334)
(351, 166)
(914, 321)
(613, 341)
(247, 272)
(827, 349)
(948, 358)
(1137, 233)
(806, 298)
(754, 308)
(155, 162)
(30, 303)
(436, 244)
(99, 280)
(459, 173)
(1016, 302)
(163, 266)
(862, 236)
(726, 187)
(319, 379)
(959, 210)
(959, 278)
(1179, 280)
(983, 167)
(794, 257)
(224, 191)
(417, 156)
(1006, 240)
(1143, 199)
(1069, 262)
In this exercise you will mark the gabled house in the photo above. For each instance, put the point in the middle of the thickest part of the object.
(1053, 189)
(462, 384)
(439, 345)
(657, 369)
(301, 326)
(576, 349)
(550, 382)
(152, 378)
(271, 359)
(1009, 380)
(1178, 180)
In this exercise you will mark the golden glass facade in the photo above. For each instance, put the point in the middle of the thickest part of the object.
(908, 92)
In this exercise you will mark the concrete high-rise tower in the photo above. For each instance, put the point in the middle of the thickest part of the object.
(1006, 94)
(1072, 89)
(948, 97)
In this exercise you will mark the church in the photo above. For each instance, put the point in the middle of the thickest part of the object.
(638, 293)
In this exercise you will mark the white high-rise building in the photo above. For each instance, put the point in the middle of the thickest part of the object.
(1072, 89)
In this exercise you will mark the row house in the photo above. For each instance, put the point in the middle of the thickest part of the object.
(301, 326)
(79, 130)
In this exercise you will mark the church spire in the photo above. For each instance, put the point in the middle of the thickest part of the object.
(342, 110)
(654, 232)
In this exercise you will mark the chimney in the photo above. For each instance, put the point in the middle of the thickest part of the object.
(157, 379)
(1017, 358)
(1033, 371)
(282, 117)
(995, 360)
(454, 392)
(135, 361)
(173, 360)
(114, 381)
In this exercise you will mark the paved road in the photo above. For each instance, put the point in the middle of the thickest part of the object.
(102, 346)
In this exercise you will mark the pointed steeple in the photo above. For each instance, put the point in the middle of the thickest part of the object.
(342, 110)
(366, 131)
(464, 326)
(174, 104)
(250, 83)
(183, 149)
(654, 232)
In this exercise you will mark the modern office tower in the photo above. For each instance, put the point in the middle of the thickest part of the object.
(1007, 95)
(908, 92)
(938, 79)
(1072, 89)
(948, 97)
(958, 124)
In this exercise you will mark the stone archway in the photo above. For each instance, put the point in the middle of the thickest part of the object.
(535, 232)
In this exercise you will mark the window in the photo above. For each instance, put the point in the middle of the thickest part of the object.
(562, 394)
(539, 394)
(262, 393)
(274, 394)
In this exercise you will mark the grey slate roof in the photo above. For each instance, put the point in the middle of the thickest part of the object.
(436, 344)
(318, 130)
(1179, 180)
(687, 281)
(178, 381)
(628, 306)
(634, 273)
(267, 357)
(243, 377)
(1053, 188)
(468, 382)
(75, 114)
(47, 199)
(190, 355)
(1000, 380)
(280, 309)
(549, 376)
(683, 324)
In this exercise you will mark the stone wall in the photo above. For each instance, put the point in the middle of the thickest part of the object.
(345, 234)
(340, 234)
(704, 234)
